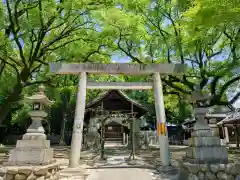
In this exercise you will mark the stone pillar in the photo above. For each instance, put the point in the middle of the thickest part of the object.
(137, 133)
(92, 134)
(127, 139)
(92, 127)
(161, 119)
(124, 139)
(226, 135)
(78, 121)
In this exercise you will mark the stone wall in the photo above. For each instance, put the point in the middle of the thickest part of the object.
(47, 172)
(229, 171)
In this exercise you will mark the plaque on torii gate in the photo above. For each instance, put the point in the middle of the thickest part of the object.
(117, 68)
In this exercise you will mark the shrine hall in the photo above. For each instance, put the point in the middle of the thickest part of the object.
(118, 105)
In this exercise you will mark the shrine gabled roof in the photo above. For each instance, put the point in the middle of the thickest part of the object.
(232, 118)
(220, 109)
(104, 95)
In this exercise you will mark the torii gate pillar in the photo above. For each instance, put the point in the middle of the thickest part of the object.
(161, 120)
(77, 134)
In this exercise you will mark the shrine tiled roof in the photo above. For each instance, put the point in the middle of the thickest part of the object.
(103, 95)
(232, 118)
(220, 109)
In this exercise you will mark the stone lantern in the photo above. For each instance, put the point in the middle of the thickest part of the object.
(205, 157)
(34, 148)
(200, 100)
(204, 147)
(37, 114)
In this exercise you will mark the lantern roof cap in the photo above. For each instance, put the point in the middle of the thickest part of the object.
(198, 95)
(39, 97)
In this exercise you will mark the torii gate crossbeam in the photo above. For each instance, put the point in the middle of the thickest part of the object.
(128, 69)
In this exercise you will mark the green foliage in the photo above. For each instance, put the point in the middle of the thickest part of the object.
(210, 53)
(203, 35)
(213, 12)
(20, 116)
(36, 33)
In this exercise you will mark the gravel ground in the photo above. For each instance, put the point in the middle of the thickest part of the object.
(121, 174)
(89, 160)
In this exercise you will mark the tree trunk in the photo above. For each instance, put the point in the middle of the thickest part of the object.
(15, 95)
(5, 107)
(62, 134)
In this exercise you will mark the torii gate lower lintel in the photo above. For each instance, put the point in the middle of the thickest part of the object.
(124, 68)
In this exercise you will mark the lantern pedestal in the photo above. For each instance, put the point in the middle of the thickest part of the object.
(203, 146)
(36, 126)
(34, 148)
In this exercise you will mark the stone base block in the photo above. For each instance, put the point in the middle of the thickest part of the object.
(34, 136)
(47, 172)
(169, 172)
(207, 153)
(210, 171)
(25, 156)
(204, 141)
(210, 161)
(202, 133)
(42, 144)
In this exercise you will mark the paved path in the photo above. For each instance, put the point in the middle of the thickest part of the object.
(120, 174)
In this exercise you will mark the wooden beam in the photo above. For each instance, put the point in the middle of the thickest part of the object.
(115, 68)
(119, 85)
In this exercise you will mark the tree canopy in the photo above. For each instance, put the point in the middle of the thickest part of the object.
(203, 35)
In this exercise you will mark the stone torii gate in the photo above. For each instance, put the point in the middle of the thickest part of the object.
(127, 69)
